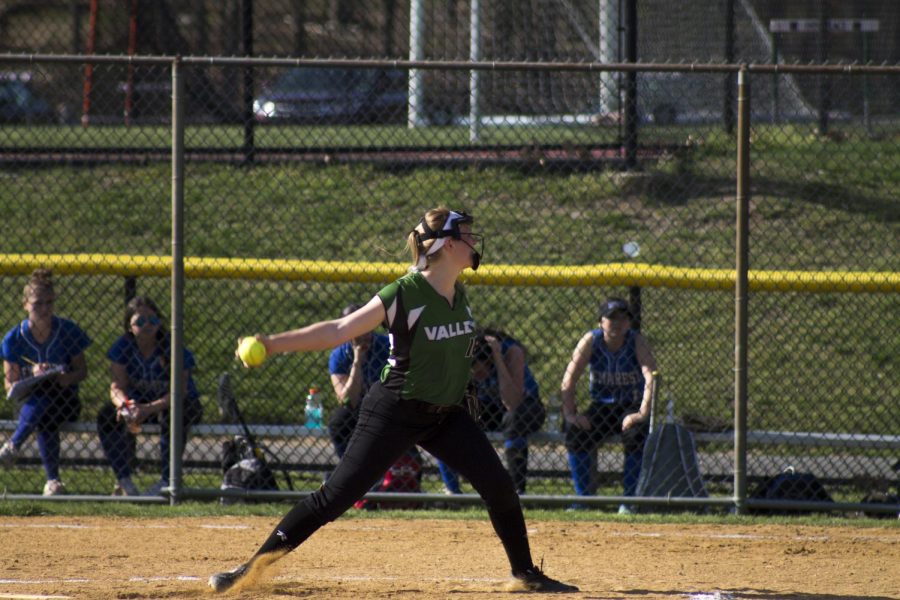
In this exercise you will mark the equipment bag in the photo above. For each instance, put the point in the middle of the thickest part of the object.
(245, 469)
(405, 475)
(790, 485)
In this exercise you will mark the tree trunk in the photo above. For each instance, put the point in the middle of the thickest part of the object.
(298, 14)
(390, 12)
(339, 12)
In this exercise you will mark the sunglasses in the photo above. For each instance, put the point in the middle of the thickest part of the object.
(141, 321)
(617, 314)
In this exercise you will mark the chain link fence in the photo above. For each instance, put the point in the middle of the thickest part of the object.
(605, 31)
(300, 208)
(563, 30)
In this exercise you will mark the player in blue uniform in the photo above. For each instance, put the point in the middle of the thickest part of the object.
(139, 361)
(509, 400)
(621, 384)
(44, 343)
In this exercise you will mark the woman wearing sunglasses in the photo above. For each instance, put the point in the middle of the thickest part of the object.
(140, 393)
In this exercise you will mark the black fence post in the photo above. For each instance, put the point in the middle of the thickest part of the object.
(728, 81)
(631, 116)
(247, 47)
(634, 302)
(130, 288)
(821, 57)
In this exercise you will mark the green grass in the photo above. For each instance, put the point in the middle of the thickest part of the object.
(22, 508)
(232, 136)
(817, 362)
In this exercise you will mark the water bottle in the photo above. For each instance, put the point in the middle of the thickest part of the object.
(554, 409)
(129, 414)
(314, 408)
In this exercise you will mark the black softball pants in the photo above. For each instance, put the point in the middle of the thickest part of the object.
(387, 427)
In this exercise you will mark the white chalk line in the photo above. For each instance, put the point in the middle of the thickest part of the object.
(126, 526)
(751, 536)
(158, 578)
(165, 578)
(32, 596)
(45, 526)
(44, 581)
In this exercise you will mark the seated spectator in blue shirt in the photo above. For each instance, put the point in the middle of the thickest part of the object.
(621, 366)
(510, 401)
(44, 343)
(354, 366)
(140, 393)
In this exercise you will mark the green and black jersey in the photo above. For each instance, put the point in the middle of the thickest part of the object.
(431, 341)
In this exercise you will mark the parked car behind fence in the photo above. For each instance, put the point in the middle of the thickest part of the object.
(19, 103)
(334, 95)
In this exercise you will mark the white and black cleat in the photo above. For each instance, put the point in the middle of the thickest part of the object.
(222, 582)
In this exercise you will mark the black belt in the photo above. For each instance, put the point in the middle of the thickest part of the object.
(432, 409)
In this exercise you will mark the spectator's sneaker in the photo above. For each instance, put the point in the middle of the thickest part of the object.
(222, 582)
(53, 487)
(8, 453)
(126, 487)
(626, 509)
(534, 580)
(156, 488)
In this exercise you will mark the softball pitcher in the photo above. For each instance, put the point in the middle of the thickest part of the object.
(419, 400)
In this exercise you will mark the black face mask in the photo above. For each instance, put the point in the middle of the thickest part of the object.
(462, 218)
(476, 255)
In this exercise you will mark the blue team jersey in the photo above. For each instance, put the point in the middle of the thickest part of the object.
(616, 377)
(148, 378)
(67, 340)
(488, 389)
(341, 360)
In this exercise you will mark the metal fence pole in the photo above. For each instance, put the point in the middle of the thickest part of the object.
(416, 53)
(741, 288)
(474, 56)
(176, 387)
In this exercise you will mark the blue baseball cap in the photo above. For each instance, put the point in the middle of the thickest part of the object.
(614, 305)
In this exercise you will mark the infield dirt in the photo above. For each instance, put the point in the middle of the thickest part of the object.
(94, 557)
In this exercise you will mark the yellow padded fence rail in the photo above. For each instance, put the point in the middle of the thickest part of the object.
(641, 274)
